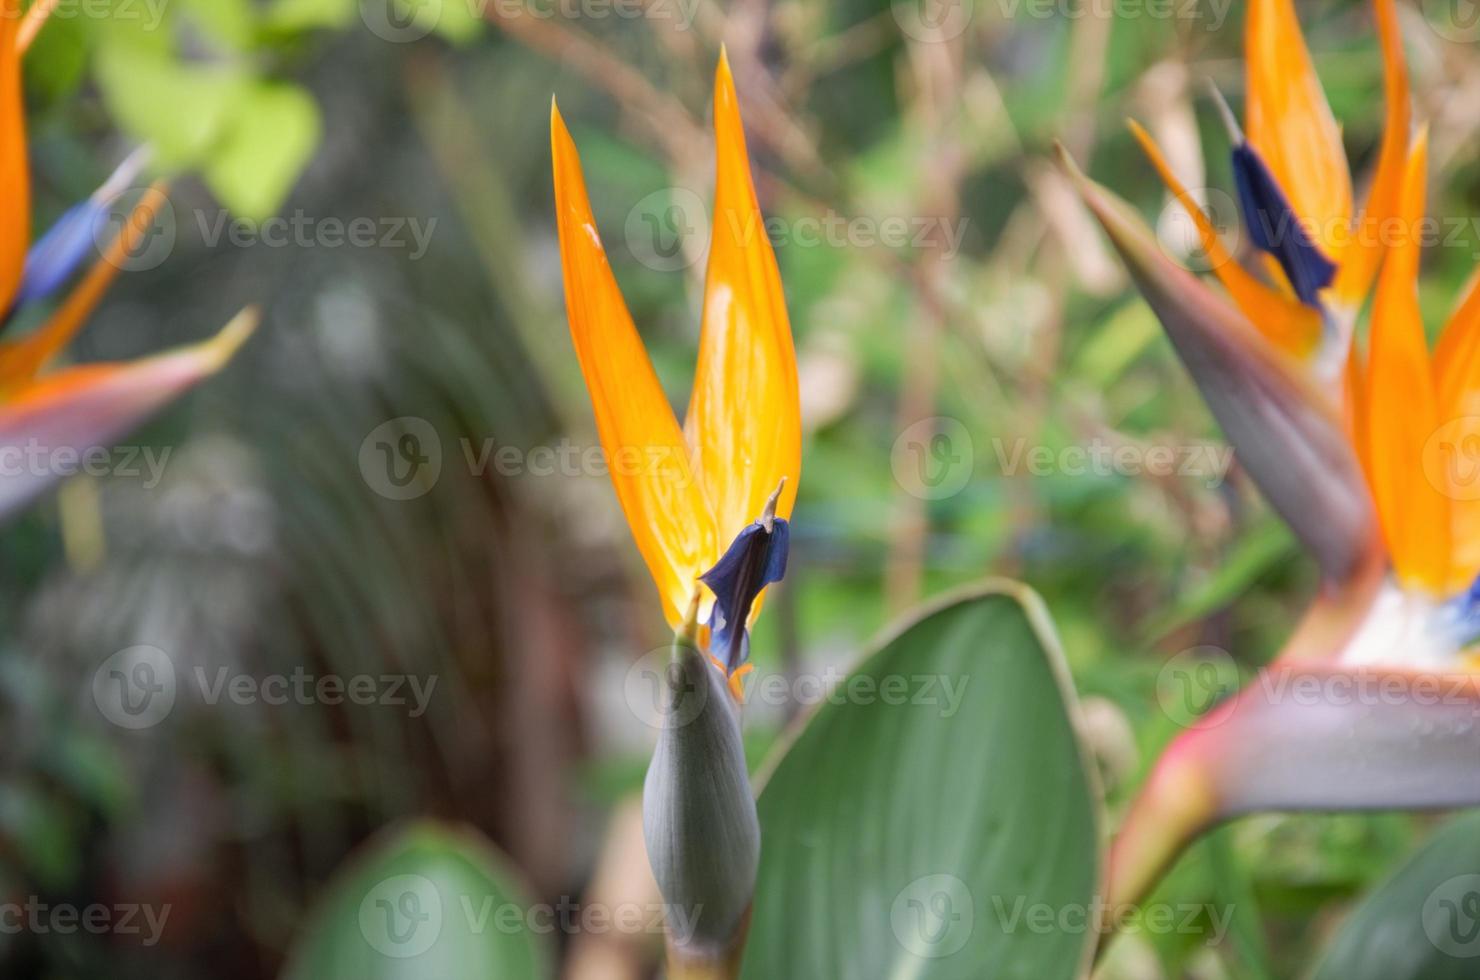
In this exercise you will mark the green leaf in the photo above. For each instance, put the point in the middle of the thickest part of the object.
(428, 900)
(181, 110)
(261, 155)
(936, 819)
(1424, 923)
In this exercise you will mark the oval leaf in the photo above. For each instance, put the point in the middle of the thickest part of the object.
(1424, 923)
(936, 821)
(425, 901)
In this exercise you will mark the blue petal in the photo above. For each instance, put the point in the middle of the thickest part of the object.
(58, 253)
(1275, 229)
(754, 560)
(1462, 615)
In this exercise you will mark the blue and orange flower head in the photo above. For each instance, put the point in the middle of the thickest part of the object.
(707, 502)
(1354, 449)
(78, 408)
(708, 505)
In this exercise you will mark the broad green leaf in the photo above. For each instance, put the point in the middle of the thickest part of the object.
(181, 110)
(1424, 923)
(262, 153)
(935, 820)
(428, 900)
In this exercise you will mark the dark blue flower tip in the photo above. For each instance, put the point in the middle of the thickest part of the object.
(56, 255)
(1462, 615)
(755, 559)
(1275, 228)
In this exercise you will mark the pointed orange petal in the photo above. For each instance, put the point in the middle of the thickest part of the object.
(1454, 453)
(1358, 263)
(50, 427)
(1457, 356)
(15, 226)
(1290, 124)
(1288, 324)
(21, 359)
(35, 19)
(646, 454)
(1402, 406)
(744, 419)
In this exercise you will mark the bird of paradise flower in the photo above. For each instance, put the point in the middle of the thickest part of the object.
(77, 409)
(1348, 446)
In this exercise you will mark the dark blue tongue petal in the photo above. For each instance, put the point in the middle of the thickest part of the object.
(755, 559)
(1274, 227)
(1462, 615)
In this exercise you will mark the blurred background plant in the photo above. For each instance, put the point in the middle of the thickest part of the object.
(396, 477)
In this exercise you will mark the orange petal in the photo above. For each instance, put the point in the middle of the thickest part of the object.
(49, 428)
(1402, 405)
(1289, 122)
(15, 227)
(1453, 456)
(21, 359)
(1358, 263)
(744, 418)
(646, 454)
(1288, 324)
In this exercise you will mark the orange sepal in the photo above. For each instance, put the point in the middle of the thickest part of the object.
(1454, 453)
(646, 455)
(15, 226)
(744, 417)
(1288, 324)
(1402, 406)
(22, 359)
(1289, 122)
(1357, 264)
